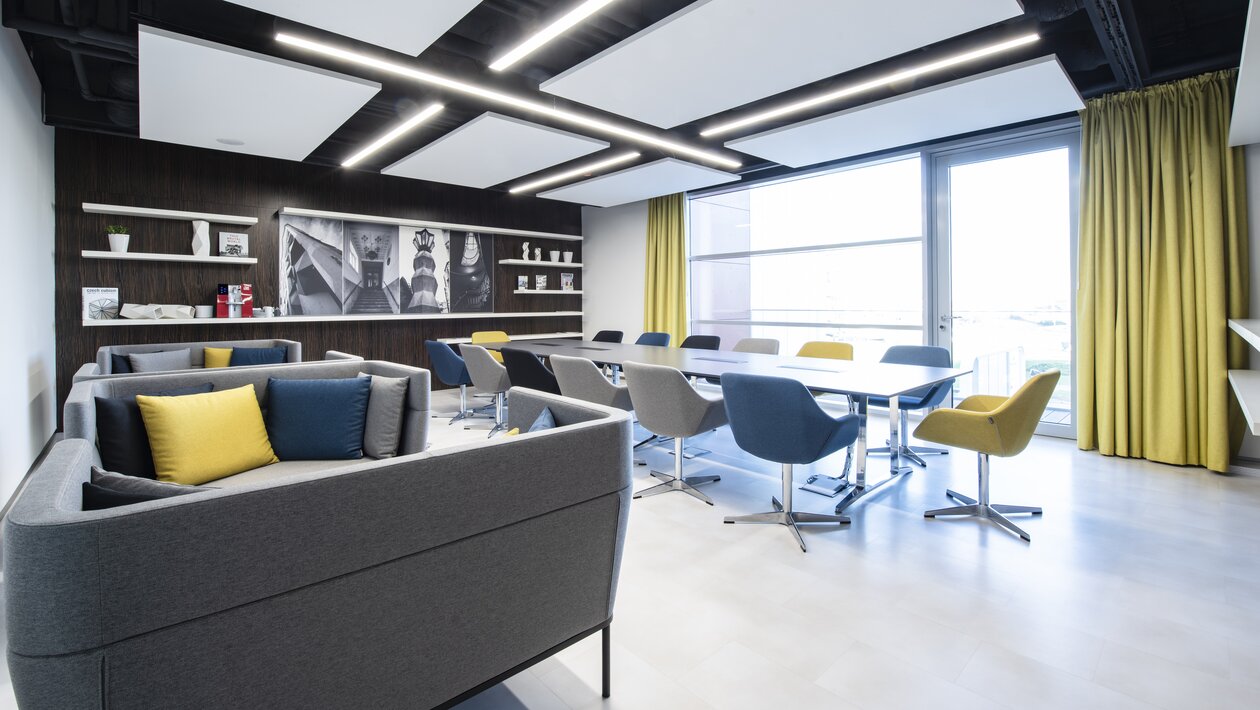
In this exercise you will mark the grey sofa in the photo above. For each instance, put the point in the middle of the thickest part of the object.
(103, 367)
(401, 583)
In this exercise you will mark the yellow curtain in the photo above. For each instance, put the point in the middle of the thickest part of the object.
(1163, 264)
(665, 288)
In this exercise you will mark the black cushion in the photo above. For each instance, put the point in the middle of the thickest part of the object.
(258, 356)
(119, 364)
(101, 498)
(121, 436)
(110, 489)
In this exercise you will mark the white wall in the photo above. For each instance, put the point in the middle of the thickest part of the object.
(614, 255)
(27, 389)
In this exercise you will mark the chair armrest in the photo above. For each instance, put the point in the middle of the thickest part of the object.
(982, 403)
(89, 369)
(961, 428)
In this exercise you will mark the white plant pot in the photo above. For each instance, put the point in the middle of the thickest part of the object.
(568, 257)
(118, 242)
(555, 256)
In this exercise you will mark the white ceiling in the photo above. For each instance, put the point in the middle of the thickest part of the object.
(1034, 89)
(662, 177)
(407, 26)
(1244, 127)
(718, 54)
(491, 149)
(195, 92)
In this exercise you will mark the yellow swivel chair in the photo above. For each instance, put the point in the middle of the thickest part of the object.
(491, 336)
(990, 426)
(826, 349)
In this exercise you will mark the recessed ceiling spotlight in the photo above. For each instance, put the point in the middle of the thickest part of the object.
(229, 141)
(583, 171)
(495, 96)
(548, 33)
(392, 135)
(869, 85)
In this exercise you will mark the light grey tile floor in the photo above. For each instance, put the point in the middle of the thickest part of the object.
(1139, 590)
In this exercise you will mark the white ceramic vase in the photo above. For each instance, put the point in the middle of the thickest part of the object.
(201, 238)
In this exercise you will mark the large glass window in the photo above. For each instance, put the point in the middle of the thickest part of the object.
(837, 256)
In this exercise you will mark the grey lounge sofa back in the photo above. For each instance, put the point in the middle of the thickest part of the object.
(103, 367)
(400, 583)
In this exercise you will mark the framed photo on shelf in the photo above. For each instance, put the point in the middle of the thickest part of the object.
(522, 283)
(100, 303)
(233, 244)
(540, 282)
(566, 282)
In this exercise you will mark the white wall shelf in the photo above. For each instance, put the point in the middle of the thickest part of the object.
(348, 216)
(149, 256)
(530, 291)
(532, 336)
(149, 212)
(1246, 383)
(549, 264)
(328, 319)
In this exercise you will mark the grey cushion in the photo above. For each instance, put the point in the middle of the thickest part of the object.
(122, 483)
(161, 362)
(384, 416)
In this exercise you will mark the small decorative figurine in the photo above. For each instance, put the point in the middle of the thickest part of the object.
(525, 252)
(537, 253)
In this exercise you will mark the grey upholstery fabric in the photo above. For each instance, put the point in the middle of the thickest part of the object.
(383, 428)
(196, 350)
(668, 405)
(487, 374)
(765, 346)
(79, 415)
(581, 379)
(385, 584)
(161, 362)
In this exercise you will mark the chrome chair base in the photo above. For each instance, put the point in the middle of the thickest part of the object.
(677, 481)
(981, 508)
(789, 519)
(686, 485)
(906, 451)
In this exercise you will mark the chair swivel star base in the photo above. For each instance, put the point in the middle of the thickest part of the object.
(676, 481)
(907, 451)
(785, 516)
(981, 508)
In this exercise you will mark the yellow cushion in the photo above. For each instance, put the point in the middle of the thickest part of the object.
(202, 437)
(218, 357)
(512, 432)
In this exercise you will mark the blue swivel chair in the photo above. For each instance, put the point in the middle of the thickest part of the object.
(660, 339)
(926, 398)
(451, 371)
(777, 419)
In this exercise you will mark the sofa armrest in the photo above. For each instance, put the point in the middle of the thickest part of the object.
(89, 369)
(293, 350)
(338, 355)
(79, 412)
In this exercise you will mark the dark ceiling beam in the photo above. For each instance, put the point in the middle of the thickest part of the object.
(1120, 40)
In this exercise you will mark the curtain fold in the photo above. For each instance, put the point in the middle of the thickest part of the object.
(1163, 263)
(665, 288)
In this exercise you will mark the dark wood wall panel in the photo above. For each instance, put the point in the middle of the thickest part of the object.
(92, 167)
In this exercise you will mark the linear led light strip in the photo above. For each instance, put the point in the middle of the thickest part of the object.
(590, 168)
(576, 119)
(392, 135)
(548, 33)
(869, 85)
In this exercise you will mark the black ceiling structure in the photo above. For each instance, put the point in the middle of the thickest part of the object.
(85, 55)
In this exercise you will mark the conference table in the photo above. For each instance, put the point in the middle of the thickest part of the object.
(860, 381)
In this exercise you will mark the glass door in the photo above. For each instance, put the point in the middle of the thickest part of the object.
(1006, 267)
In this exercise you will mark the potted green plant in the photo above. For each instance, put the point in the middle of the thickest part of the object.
(118, 238)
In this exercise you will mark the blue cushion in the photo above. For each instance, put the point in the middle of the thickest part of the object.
(317, 419)
(258, 356)
(546, 420)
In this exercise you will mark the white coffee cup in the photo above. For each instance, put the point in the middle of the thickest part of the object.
(269, 311)
(555, 255)
(204, 311)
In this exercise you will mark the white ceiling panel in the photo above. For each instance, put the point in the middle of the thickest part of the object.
(1244, 128)
(718, 54)
(491, 149)
(210, 95)
(661, 177)
(1020, 92)
(407, 26)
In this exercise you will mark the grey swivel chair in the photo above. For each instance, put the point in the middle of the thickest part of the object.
(488, 376)
(765, 346)
(668, 405)
(580, 378)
